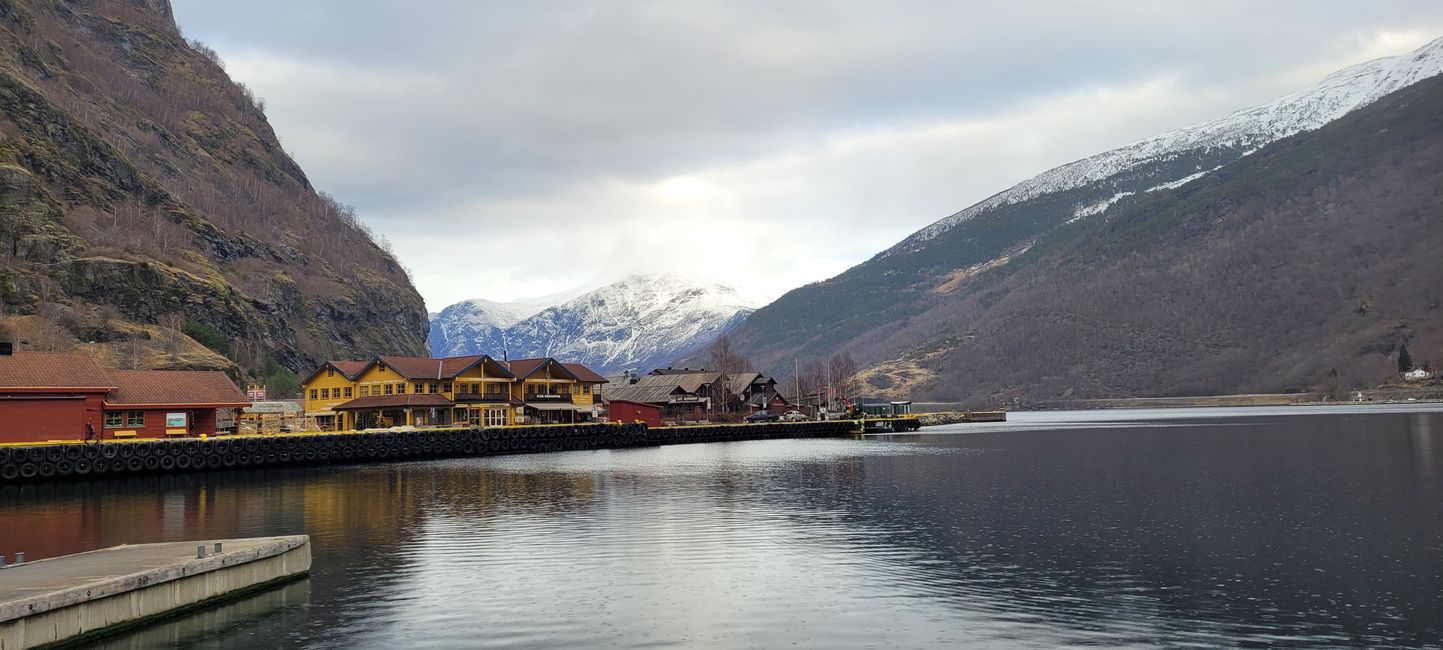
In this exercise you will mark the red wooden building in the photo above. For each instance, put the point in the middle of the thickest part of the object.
(50, 396)
(618, 410)
(59, 396)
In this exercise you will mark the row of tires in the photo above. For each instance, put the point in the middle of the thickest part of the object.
(732, 432)
(115, 458)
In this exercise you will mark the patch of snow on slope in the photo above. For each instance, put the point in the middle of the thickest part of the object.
(1099, 207)
(1336, 95)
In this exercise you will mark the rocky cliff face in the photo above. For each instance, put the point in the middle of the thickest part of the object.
(148, 213)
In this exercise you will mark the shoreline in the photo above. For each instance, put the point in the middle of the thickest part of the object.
(1386, 395)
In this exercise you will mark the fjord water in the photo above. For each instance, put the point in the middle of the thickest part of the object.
(1300, 527)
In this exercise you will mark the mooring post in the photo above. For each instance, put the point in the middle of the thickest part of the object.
(19, 558)
(200, 551)
(217, 547)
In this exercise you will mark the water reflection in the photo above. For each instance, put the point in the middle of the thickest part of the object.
(241, 624)
(1255, 530)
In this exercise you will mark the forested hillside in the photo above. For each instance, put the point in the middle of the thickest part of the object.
(150, 216)
(1305, 263)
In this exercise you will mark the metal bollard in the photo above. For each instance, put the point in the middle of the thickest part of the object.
(200, 551)
(217, 547)
(19, 559)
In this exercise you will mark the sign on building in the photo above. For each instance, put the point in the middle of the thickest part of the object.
(175, 420)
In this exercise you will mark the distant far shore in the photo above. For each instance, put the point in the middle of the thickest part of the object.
(1383, 395)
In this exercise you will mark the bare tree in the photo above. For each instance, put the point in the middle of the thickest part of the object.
(723, 358)
(172, 324)
(842, 370)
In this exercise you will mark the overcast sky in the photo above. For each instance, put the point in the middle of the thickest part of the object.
(514, 149)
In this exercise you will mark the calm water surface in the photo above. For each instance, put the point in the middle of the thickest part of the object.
(1207, 527)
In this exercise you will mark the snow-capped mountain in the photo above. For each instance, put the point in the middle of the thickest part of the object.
(1176, 157)
(917, 297)
(639, 322)
(453, 330)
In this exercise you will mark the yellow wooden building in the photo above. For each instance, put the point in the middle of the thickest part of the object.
(331, 385)
(554, 392)
(472, 390)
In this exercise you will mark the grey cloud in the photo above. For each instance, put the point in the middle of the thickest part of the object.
(409, 110)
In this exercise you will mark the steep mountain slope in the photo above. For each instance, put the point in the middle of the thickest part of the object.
(639, 322)
(151, 217)
(924, 302)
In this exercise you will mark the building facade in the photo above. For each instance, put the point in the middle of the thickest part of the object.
(59, 396)
(474, 390)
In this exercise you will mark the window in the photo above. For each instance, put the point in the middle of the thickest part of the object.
(446, 388)
(325, 393)
(135, 418)
(530, 389)
(389, 389)
(418, 389)
(586, 389)
(114, 419)
(493, 389)
(431, 388)
(314, 393)
(474, 419)
(348, 392)
(330, 372)
(365, 391)
(495, 417)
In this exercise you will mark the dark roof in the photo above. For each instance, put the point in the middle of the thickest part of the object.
(654, 393)
(389, 401)
(739, 383)
(585, 374)
(522, 368)
(351, 369)
(174, 388)
(52, 370)
(437, 368)
(675, 371)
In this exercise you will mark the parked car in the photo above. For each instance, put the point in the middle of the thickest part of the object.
(762, 416)
(794, 416)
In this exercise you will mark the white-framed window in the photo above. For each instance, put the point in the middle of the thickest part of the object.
(135, 418)
(114, 419)
(495, 417)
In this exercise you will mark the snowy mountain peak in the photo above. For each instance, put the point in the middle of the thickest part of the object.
(637, 322)
(1238, 133)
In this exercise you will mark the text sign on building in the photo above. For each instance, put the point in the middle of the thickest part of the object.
(175, 420)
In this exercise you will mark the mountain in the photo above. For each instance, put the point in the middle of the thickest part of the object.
(641, 322)
(456, 329)
(152, 218)
(1053, 288)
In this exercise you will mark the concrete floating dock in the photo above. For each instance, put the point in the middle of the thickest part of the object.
(72, 597)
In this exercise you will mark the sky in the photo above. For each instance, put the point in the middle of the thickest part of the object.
(509, 150)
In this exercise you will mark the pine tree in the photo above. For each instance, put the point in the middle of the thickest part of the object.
(1405, 361)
